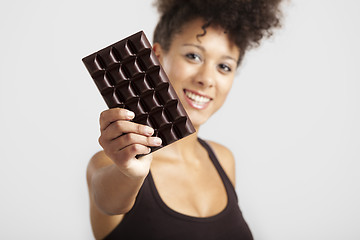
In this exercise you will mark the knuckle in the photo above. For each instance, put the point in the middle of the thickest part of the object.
(149, 141)
(130, 137)
(117, 112)
(139, 128)
(119, 125)
(102, 116)
(100, 140)
(136, 147)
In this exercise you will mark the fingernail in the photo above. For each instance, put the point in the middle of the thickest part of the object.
(130, 114)
(157, 141)
(149, 131)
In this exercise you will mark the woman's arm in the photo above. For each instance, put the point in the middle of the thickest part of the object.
(111, 190)
(115, 175)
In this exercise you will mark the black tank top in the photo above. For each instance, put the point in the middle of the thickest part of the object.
(151, 218)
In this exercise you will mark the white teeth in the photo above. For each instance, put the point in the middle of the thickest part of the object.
(197, 98)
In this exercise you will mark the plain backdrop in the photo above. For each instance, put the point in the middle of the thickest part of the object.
(291, 119)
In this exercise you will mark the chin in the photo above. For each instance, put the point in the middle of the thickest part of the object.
(197, 119)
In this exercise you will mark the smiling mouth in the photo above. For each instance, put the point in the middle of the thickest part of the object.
(195, 100)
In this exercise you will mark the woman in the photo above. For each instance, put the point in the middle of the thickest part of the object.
(185, 190)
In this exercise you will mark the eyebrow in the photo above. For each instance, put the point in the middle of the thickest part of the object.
(194, 45)
(204, 50)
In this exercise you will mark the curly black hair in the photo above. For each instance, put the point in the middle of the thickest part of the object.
(246, 21)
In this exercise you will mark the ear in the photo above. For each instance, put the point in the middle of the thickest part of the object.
(159, 53)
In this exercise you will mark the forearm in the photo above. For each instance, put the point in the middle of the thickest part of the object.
(113, 192)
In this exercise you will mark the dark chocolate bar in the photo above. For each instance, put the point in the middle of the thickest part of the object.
(129, 75)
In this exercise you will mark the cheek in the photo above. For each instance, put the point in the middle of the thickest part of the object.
(225, 88)
(175, 71)
(223, 92)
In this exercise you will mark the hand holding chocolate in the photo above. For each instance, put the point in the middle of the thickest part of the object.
(129, 75)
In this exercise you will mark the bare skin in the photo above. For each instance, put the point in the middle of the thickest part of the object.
(185, 177)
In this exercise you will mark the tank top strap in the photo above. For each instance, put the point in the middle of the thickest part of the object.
(219, 168)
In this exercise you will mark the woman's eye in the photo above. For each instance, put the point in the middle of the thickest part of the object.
(225, 68)
(193, 56)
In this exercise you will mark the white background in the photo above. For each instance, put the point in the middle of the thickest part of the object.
(291, 119)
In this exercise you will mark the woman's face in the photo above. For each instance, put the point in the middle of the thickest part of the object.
(201, 70)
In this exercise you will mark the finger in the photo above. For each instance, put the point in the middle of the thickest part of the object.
(133, 150)
(114, 114)
(118, 128)
(131, 138)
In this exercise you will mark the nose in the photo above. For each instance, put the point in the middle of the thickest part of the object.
(205, 76)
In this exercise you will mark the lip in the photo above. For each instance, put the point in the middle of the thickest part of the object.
(197, 93)
(193, 103)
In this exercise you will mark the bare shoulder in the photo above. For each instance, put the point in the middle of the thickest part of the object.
(226, 159)
(102, 224)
